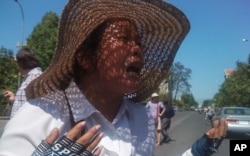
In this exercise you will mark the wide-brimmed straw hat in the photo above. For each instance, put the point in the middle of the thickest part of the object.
(161, 26)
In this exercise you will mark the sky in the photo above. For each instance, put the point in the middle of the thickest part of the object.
(213, 44)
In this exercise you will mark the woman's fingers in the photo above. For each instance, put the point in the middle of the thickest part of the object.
(219, 129)
(223, 127)
(97, 151)
(95, 142)
(89, 139)
(72, 143)
(91, 135)
(51, 138)
(216, 126)
(76, 130)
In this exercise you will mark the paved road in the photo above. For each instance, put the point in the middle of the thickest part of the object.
(186, 128)
(2, 124)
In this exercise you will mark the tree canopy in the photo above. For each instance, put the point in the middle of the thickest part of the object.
(9, 75)
(8, 70)
(236, 89)
(44, 37)
(187, 100)
(178, 80)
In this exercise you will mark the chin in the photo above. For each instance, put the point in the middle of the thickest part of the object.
(128, 85)
(132, 88)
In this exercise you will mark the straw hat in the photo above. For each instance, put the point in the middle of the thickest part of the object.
(161, 26)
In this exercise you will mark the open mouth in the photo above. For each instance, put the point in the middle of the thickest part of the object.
(134, 69)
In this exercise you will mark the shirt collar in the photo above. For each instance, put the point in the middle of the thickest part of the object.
(33, 71)
(82, 108)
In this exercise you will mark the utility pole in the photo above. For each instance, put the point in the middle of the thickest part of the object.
(22, 30)
(22, 44)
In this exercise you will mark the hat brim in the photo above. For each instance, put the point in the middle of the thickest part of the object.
(161, 26)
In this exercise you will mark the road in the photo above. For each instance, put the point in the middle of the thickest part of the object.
(186, 128)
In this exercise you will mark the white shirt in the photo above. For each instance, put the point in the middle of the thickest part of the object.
(20, 94)
(154, 108)
(210, 112)
(131, 133)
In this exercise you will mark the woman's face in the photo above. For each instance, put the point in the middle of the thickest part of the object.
(155, 99)
(120, 57)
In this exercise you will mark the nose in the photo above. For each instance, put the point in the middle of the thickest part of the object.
(137, 50)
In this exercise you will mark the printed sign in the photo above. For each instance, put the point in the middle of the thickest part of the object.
(239, 147)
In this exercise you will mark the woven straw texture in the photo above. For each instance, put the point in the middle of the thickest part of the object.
(161, 26)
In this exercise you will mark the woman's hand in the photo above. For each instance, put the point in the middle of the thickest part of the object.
(9, 96)
(71, 143)
(211, 140)
(219, 129)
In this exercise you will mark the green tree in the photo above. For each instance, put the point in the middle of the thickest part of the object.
(8, 70)
(178, 81)
(9, 75)
(188, 100)
(207, 102)
(236, 89)
(43, 38)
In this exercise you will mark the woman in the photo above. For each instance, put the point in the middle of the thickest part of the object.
(101, 50)
(157, 109)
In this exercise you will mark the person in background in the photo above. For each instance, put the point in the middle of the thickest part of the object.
(166, 121)
(157, 109)
(209, 113)
(29, 67)
(105, 49)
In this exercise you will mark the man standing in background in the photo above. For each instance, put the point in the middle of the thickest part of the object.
(166, 121)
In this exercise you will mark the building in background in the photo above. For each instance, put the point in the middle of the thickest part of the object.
(229, 72)
(163, 88)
